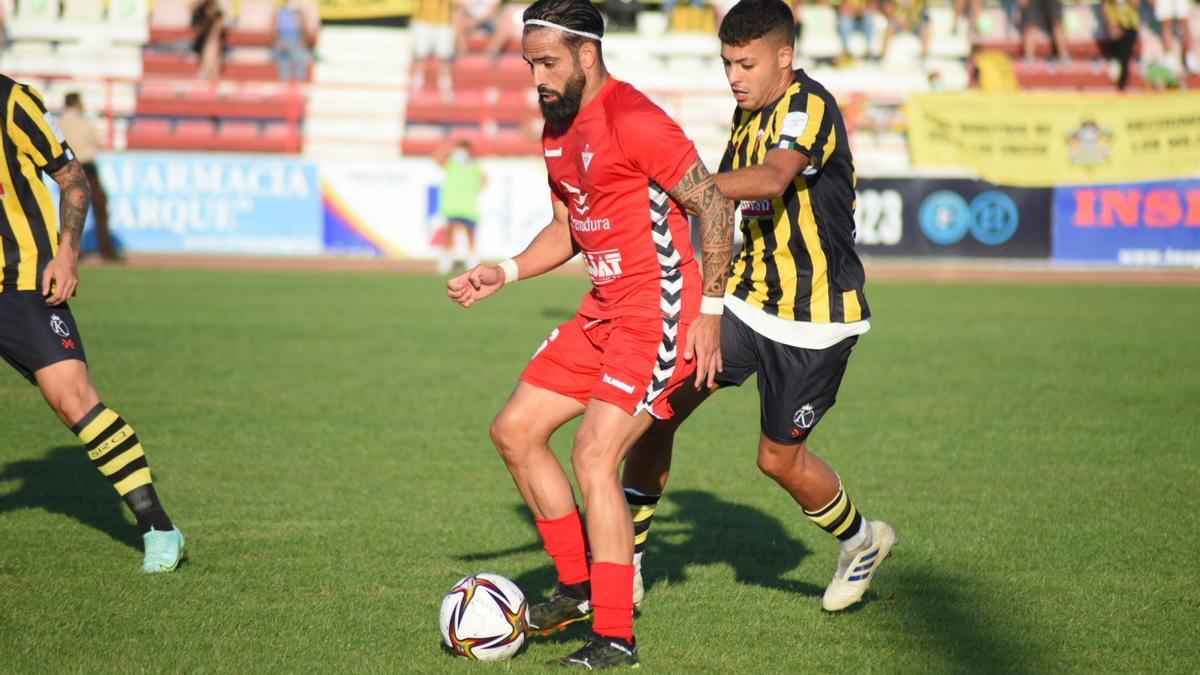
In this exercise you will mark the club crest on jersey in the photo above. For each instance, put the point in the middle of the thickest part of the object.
(603, 266)
(586, 156)
(805, 416)
(59, 326)
(758, 209)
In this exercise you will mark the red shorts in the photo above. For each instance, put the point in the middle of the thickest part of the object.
(632, 362)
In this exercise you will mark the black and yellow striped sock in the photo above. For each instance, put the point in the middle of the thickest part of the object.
(116, 452)
(838, 517)
(641, 507)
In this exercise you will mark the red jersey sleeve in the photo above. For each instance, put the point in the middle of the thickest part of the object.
(654, 143)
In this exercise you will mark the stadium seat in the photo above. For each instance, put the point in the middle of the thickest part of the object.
(474, 71)
(820, 37)
(516, 107)
(1074, 76)
(82, 10)
(128, 21)
(149, 134)
(254, 24)
(421, 139)
(169, 64)
(429, 106)
(947, 40)
(170, 22)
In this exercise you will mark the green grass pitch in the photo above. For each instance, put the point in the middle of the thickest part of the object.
(322, 440)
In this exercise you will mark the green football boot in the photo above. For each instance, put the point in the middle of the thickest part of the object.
(164, 550)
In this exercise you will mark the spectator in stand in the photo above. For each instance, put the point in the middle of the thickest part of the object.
(1172, 14)
(907, 16)
(1046, 12)
(433, 43)
(681, 22)
(459, 202)
(474, 16)
(856, 16)
(1121, 24)
(85, 141)
(500, 22)
(208, 19)
(292, 39)
(966, 12)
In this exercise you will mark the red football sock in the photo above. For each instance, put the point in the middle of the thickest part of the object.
(612, 600)
(564, 541)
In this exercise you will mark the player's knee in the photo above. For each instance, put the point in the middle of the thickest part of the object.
(593, 457)
(777, 460)
(511, 434)
(73, 403)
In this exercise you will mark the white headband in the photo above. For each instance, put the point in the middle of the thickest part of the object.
(547, 24)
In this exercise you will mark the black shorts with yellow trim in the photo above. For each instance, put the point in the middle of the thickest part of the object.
(796, 386)
(34, 335)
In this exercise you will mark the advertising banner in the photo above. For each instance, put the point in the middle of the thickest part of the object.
(1057, 139)
(1140, 225)
(183, 203)
(951, 218)
(342, 10)
(390, 208)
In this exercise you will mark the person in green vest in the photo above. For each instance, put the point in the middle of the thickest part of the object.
(459, 203)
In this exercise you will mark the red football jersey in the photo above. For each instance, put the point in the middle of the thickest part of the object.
(612, 168)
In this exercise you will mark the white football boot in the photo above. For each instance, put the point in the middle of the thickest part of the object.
(856, 568)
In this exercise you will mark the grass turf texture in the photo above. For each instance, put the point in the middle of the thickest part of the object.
(322, 439)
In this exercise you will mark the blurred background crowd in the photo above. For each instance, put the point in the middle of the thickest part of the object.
(410, 77)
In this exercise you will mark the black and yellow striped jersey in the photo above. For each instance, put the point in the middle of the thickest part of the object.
(797, 260)
(1121, 13)
(32, 145)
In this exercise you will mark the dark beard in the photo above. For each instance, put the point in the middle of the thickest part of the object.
(562, 112)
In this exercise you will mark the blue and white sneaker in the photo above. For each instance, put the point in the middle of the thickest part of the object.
(857, 567)
(164, 550)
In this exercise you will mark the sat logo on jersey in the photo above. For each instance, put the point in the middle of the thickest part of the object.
(759, 209)
(603, 267)
(991, 217)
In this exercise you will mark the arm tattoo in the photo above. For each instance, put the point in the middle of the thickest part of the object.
(699, 193)
(73, 205)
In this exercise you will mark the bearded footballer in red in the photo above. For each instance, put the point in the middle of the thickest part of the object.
(622, 178)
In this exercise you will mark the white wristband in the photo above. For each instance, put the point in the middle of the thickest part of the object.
(510, 270)
(709, 305)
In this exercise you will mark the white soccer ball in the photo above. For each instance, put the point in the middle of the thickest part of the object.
(483, 618)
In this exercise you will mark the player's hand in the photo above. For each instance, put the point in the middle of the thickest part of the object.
(704, 344)
(61, 277)
(476, 284)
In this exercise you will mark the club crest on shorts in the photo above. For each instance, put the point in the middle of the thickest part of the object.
(805, 416)
(59, 326)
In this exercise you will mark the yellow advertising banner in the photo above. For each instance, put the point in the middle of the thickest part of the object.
(1031, 140)
(335, 10)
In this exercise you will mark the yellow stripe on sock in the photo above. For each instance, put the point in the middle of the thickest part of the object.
(846, 523)
(103, 421)
(134, 481)
(119, 436)
(122, 460)
(833, 513)
(641, 538)
(641, 513)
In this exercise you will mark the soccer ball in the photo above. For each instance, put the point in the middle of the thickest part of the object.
(483, 618)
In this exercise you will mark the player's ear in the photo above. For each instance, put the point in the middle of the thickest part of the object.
(588, 54)
(786, 56)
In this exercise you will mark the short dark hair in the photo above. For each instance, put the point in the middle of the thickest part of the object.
(580, 15)
(754, 19)
(72, 100)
